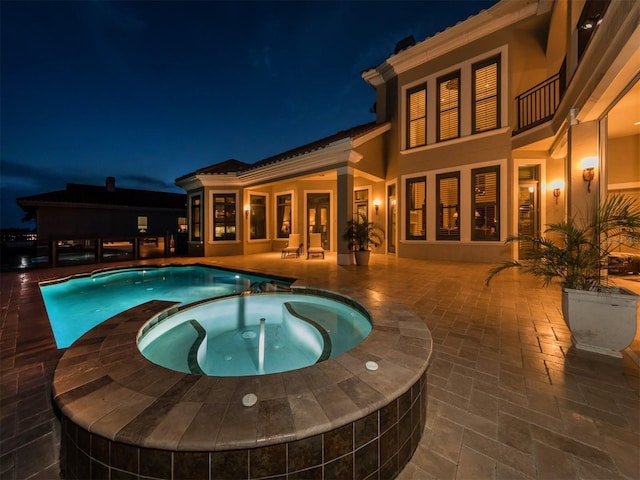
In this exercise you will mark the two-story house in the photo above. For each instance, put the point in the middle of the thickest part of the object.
(521, 115)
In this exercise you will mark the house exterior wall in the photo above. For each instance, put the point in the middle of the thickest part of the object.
(624, 160)
(373, 160)
(532, 50)
(461, 154)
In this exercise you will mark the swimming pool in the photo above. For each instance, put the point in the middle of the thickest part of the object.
(75, 305)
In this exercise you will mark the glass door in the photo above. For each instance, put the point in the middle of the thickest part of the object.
(528, 209)
(318, 220)
(392, 206)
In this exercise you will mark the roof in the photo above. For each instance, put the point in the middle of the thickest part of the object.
(353, 133)
(101, 195)
(230, 166)
(233, 166)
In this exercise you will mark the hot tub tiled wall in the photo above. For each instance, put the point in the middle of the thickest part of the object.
(124, 417)
(377, 446)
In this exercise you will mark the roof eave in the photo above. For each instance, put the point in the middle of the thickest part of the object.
(486, 22)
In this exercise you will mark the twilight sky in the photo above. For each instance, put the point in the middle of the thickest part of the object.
(147, 91)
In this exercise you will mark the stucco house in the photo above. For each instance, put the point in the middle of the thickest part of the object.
(521, 115)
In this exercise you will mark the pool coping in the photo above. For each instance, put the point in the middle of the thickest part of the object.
(105, 385)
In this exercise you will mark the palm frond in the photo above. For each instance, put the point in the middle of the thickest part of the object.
(582, 246)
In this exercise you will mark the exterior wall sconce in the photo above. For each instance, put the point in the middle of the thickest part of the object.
(247, 209)
(556, 186)
(376, 204)
(588, 173)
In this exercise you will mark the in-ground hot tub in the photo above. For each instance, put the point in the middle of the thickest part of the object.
(255, 334)
(123, 415)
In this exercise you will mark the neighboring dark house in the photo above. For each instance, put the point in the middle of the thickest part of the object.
(105, 212)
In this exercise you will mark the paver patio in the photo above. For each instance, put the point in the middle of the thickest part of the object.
(508, 396)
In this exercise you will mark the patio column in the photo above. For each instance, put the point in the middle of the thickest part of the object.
(345, 212)
(584, 163)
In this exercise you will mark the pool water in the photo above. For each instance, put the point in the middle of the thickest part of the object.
(256, 334)
(76, 305)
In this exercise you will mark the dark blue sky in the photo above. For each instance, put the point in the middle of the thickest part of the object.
(148, 91)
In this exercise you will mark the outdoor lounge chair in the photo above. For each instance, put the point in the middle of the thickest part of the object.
(315, 245)
(293, 246)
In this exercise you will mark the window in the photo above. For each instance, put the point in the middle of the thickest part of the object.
(486, 98)
(182, 224)
(196, 215)
(416, 208)
(486, 203)
(361, 203)
(449, 107)
(142, 224)
(258, 217)
(448, 194)
(417, 117)
(224, 216)
(283, 215)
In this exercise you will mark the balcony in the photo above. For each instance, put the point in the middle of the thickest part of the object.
(538, 104)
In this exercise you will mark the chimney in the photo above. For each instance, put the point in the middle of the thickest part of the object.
(111, 184)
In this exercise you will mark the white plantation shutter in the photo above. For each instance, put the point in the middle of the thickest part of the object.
(416, 208)
(417, 120)
(486, 96)
(448, 186)
(486, 202)
(449, 107)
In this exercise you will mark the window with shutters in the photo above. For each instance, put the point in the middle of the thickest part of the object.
(224, 216)
(258, 217)
(196, 218)
(417, 117)
(416, 208)
(486, 98)
(143, 224)
(486, 203)
(448, 195)
(449, 107)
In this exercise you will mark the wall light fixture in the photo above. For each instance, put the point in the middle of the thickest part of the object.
(556, 186)
(376, 204)
(588, 170)
(247, 209)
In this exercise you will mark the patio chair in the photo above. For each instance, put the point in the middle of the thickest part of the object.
(293, 246)
(315, 245)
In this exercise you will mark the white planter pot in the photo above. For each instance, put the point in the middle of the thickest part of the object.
(362, 257)
(601, 322)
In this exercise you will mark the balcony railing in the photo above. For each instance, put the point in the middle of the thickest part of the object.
(538, 104)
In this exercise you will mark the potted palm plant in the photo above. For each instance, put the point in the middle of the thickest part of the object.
(361, 234)
(602, 317)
